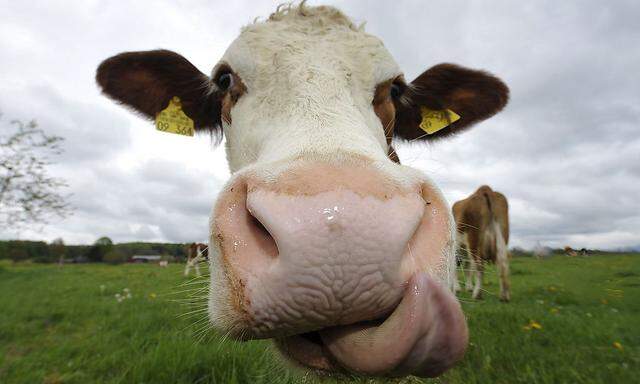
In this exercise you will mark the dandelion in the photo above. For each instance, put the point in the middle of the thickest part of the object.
(617, 346)
(532, 325)
(552, 288)
(152, 295)
(540, 302)
(589, 314)
(554, 310)
(102, 288)
(535, 325)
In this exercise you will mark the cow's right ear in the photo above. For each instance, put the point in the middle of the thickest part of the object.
(472, 94)
(147, 80)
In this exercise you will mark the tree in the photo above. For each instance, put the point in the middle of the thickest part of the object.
(28, 194)
(99, 249)
(58, 249)
(114, 257)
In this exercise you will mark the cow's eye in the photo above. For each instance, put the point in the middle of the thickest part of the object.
(395, 90)
(225, 81)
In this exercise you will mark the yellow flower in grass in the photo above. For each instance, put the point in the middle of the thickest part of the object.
(554, 310)
(532, 325)
(152, 295)
(617, 345)
(552, 288)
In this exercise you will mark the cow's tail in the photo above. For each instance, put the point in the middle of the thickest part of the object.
(501, 249)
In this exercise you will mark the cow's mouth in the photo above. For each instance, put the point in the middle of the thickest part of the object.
(424, 336)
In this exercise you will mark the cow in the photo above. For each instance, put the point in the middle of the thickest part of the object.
(482, 229)
(196, 253)
(321, 240)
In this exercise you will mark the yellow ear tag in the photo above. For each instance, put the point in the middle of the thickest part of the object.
(173, 119)
(433, 121)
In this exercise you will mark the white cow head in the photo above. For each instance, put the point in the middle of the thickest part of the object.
(321, 239)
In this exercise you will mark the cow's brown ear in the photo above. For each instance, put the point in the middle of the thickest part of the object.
(147, 80)
(474, 95)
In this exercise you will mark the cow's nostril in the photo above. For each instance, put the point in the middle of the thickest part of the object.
(258, 225)
(262, 235)
(312, 337)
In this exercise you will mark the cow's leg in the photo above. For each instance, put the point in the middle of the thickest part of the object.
(479, 273)
(469, 270)
(196, 265)
(475, 256)
(458, 249)
(187, 267)
(196, 260)
(456, 282)
(502, 259)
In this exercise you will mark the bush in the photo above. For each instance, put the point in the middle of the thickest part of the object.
(114, 257)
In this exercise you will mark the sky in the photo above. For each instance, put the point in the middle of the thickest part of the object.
(565, 151)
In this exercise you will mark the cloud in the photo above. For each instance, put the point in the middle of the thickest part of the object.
(564, 151)
(158, 200)
(91, 132)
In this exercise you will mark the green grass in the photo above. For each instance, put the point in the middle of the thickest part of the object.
(64, 325)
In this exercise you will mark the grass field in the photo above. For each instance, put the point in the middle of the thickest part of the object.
(571, 320)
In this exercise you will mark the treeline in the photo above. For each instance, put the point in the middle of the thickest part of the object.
(103, 250)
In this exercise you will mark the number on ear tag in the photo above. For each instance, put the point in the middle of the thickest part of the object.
(433, 121)
(173, 119)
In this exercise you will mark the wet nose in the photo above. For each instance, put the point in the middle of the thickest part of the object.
(320, 246)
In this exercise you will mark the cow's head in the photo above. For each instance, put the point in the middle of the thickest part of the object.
(321, 239)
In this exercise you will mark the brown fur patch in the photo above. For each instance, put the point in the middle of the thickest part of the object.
(393, 155)
(231, 97)
(385, 109)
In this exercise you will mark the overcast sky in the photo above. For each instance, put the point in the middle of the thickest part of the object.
(565, 151)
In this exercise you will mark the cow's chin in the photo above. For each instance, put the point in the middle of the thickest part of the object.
(424, 336)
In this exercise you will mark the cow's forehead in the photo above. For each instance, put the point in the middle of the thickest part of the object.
(320, 40)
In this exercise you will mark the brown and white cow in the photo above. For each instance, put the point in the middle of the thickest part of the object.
(320, 240)
(196, 253)
(482, 222)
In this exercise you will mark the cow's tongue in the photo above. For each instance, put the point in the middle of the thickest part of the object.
(424, 336)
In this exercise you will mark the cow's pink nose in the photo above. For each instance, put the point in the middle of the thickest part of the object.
(319, 247)
(337, 227)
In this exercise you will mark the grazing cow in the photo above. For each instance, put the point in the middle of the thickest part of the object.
(321, 240)
(482, 222)
(196, 253)
(570, 251)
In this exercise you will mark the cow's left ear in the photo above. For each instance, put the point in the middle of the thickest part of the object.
(473, 95)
